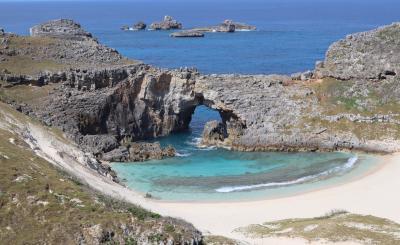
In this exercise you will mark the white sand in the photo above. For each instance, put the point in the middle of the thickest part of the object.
(376, 194)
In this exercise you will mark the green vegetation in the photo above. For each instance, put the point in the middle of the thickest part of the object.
(219, 240)
(32, 95)
(40, 204)
(336, 226)
(364, 98)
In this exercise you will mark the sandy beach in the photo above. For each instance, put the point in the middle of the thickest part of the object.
(374, 193)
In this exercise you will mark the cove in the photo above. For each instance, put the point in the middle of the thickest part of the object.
(214, 174)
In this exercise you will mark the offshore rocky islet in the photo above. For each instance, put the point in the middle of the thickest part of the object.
(107, 103)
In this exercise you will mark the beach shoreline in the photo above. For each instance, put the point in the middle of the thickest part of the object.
(371, 194)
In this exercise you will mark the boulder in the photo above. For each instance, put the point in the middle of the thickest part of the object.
(187, 34)
(167, 24)
(139, 26)
(139, 151)
(61, 28)
(214, 133)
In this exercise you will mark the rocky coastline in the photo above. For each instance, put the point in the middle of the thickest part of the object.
(103, 100)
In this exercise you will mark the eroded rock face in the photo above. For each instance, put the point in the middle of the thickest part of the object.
(62, 28)
(103, 100)
(370, 55)
(214, 133)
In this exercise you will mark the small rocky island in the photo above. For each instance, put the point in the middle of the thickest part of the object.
(187, 34)
(227, 26)
(168, 23)
(136, 27)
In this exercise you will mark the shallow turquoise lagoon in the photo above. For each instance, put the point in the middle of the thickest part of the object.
(211, 174)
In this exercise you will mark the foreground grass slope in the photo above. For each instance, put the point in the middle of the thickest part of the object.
(336, 226)
(39, 204)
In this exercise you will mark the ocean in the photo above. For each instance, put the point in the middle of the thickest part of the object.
(291, 36)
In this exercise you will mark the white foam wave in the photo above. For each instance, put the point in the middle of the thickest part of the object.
(194, 141)
(348, 165)
(182, 154)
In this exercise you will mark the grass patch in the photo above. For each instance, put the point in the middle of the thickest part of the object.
(336, 226)
(41, 204)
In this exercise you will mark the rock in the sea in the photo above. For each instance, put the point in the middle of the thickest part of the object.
(138, 152)
(139, 25)
(187, 34)
(240, 26)
(214, 133)
(366, 55)
(2, 32)
(167, 24)
(61, 28)
(145, 151)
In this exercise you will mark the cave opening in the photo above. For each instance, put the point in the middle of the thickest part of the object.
(201, 115)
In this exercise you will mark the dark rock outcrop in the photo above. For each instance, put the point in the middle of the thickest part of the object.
(139, 152)
(139, 25)
(136, 27)
(214, 133)
(187, 34)
(167, 24)
(62, 28)
(366, 55)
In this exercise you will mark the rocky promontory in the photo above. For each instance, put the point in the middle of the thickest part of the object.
(103, 100)
(62, 28)
(366, 55)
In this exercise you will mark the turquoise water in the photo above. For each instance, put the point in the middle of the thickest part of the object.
(211, 174)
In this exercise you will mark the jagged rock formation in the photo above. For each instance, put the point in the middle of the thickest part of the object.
(240, 26)
(136, 27)
(62, 28)
(367, 55)
(139, 152)
(103, 100)
(167, 24)
(214, 133)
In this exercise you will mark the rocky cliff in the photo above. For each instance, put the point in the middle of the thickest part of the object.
(106, 102)
(367, 55)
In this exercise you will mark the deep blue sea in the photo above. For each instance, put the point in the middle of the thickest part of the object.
(291, 36)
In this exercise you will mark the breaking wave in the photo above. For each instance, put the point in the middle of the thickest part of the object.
(339, 169)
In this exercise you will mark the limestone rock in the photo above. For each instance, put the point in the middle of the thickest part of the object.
(214, 133)
(187, 34)
(167, 24)
(366, 55)
(146, 151)
(240, 26)
(61, 28)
